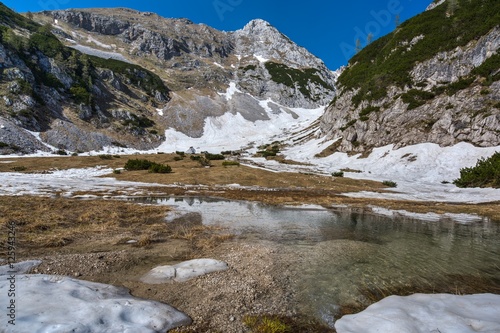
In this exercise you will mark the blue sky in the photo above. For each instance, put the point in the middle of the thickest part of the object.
(328, 29)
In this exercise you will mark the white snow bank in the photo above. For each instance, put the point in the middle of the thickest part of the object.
(183, 271)
(65, 181)
(19, 267)
(418, 170)
(99, 53)
(261, 58)
(231, 90)
(422, 313)
(433, 217)
(233, 131)
(47, 303)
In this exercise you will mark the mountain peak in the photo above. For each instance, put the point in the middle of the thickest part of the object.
(257, 25)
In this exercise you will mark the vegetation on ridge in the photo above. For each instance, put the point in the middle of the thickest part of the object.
(292, 77)
(388, 60)
(82, 69)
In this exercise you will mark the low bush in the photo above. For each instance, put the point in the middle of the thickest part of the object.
(486, 173)
(160, 168)
(205, 162)
(338, 174)
(152, 167)
(214, 157)
(105, 157)
(389, 183)
(61, 152)
(137, 164)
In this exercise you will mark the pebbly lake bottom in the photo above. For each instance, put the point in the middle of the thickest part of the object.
(344, 259)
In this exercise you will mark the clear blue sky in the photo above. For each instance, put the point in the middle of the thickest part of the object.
(327, 28)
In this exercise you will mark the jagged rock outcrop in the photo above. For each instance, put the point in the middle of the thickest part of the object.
(258, 60)
(122, 77)
(443, 97)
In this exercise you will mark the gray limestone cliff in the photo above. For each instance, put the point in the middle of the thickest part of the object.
(445, 96)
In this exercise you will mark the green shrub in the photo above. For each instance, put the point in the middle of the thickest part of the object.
(415, 98)
(486, 173)
(338, 174)
(349, 124)
(214, 157)
(363, 115)
(389, 183)
(18, 168)
(267, 153)
(205, 162)
(159, 168)
(80, 95)
(105, 157)
(178, 158)
(117, 171)
(61, 152)
(142, 164)
(180, 153)
(137, 164)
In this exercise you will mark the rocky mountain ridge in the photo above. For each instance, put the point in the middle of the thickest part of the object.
(122, 77)
(419, 86)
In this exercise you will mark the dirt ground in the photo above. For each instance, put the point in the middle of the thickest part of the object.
(116, 242)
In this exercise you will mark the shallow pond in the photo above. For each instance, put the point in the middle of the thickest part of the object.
(346, 256)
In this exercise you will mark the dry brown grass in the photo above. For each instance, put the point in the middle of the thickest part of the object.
(45, 223)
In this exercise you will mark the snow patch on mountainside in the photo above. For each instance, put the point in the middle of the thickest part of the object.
(233, 132)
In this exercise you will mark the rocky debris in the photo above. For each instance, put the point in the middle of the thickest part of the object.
(15, 139)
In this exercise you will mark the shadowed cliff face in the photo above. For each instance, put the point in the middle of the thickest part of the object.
(435, 79)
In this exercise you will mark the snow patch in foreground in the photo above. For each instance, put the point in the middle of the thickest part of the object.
(183, 271)
(423, 313)
(47, 303)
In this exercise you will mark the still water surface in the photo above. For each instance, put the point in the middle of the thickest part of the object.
(341, 252)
